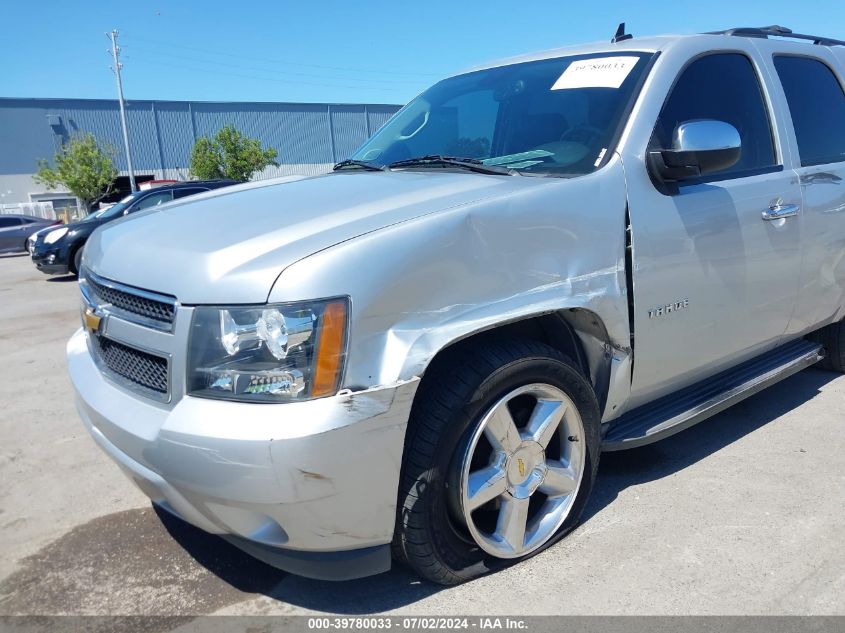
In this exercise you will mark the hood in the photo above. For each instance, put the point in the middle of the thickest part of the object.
(230, 246)
(86, 227)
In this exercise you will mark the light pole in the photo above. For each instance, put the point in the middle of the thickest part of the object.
(115, 51)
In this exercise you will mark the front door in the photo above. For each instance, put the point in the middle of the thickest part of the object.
(715, 282)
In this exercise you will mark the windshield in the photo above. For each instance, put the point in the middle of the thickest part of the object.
(116, 209)
(555, 116)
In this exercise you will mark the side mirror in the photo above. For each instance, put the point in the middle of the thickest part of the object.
(698, 148)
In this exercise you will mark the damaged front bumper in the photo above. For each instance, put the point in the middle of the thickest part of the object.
(309, 487)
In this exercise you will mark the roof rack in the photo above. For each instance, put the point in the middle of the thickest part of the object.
(778, 31)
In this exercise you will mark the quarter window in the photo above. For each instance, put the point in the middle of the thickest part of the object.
(723, 87)
(817, 106)
(5, 223)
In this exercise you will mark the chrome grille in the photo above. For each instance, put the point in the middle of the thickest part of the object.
(139, 367)
(146, 307)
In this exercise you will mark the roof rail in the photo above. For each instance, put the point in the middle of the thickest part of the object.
(778, 31)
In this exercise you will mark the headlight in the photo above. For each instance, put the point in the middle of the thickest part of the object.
(54, 236)
(272, 353)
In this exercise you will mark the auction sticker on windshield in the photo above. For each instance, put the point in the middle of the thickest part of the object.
(598, 72)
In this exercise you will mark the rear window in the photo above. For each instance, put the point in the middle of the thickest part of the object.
(817, 106)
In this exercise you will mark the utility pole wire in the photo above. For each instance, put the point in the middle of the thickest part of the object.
(115, 52)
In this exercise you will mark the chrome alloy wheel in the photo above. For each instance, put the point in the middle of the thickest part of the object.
(518, 481)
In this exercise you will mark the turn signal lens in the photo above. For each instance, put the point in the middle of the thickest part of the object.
(330, 350)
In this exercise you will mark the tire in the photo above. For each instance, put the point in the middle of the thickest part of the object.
(833, 339)
(77, 260)
(450, 427)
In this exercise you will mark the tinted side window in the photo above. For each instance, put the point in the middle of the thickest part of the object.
(723, 87)
(181, 193)
(5, 223)
(152, 200)
(817, 106)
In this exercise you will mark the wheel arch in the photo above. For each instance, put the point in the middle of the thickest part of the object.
(577, 332)
(74, 249)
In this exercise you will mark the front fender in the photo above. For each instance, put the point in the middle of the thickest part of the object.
(420, 285)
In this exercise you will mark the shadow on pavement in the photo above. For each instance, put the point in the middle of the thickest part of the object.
(227, 562)
(619, 470)
(386, 591)
(62, 279)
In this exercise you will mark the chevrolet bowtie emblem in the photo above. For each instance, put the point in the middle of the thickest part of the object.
(521, 465)
(92, 321)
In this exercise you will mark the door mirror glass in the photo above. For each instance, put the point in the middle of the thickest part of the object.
(698, 148)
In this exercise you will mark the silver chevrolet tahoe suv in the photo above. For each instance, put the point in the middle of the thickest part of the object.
(422, 355)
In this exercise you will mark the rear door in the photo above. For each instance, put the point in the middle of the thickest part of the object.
(812, 81)
(714, 282)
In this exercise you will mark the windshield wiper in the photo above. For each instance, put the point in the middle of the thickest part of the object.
(436, 160)
(362, 164)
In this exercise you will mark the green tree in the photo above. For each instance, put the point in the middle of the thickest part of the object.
(229, 154)
(84, 167)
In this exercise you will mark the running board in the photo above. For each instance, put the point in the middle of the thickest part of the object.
(681, 410)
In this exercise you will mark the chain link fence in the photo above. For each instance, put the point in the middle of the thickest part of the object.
(67, 211)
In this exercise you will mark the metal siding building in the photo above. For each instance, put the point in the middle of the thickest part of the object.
(309, 137)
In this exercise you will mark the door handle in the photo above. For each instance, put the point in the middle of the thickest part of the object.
(778, 211)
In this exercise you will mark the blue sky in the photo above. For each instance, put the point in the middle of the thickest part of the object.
(365, 51)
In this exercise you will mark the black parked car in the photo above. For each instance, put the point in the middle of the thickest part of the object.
(16, 229)
(59, 252)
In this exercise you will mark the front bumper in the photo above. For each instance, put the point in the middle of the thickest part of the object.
(309, 487)
(50, 262)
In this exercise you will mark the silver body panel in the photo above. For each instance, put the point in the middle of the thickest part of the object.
(256, 471)
(430, 258)
(432, 281)
(231, 247)
(708, 244)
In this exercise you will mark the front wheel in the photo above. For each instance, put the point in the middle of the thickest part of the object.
(501, 455)
(77, 261)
